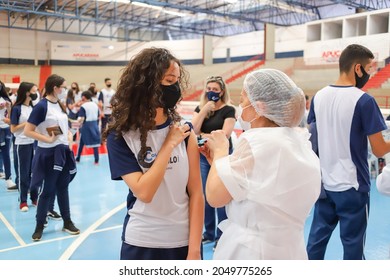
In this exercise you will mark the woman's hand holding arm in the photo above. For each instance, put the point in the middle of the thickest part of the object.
(198, 118)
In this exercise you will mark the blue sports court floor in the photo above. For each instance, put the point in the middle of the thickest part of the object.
(98, 209)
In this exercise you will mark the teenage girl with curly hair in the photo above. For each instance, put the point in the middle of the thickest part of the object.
(158, 158)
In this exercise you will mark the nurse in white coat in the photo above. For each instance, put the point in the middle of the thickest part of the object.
(383, 181)
(272, 180)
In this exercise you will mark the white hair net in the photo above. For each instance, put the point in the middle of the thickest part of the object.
(275, 96)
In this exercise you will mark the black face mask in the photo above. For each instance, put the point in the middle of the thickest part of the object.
(361, 81)
(170, 95)
(33, 96)
(109, 85)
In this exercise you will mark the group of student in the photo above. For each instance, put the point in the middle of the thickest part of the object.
(81, 110)
(44, 160)
(178, 173)
(265, 187)
(40, 141)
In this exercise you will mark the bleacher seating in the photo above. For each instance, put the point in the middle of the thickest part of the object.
(308, 77)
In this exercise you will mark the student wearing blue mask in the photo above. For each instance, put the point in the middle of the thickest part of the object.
(213, 113)
(157, 157)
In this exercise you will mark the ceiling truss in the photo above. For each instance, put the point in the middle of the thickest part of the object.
(145, 20)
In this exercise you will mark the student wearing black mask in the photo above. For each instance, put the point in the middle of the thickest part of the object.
(346, 118)
(24, 146)
(213, 113)
(157, 157)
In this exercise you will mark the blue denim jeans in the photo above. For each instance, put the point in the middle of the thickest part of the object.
(212, 216)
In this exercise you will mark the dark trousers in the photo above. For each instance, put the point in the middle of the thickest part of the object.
(16, 161)
(351, 209)
(55, 183)
(5, 139)
(24, 156)
(80, 150)
(130, 252)
(105, 120)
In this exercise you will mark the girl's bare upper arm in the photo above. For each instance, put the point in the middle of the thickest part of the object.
(131, 181)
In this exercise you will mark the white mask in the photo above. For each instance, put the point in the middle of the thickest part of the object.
(61, 95)
(245, 125)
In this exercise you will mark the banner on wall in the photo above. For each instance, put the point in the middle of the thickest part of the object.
(331, 56)
(89, 51)
(120, 51)
(328, 52)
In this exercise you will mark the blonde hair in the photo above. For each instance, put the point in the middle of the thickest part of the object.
(225, 98)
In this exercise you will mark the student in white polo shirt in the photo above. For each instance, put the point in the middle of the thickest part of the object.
(88, 118)
(346, 118)
(53, 162)
(24, 146)
(105, 97)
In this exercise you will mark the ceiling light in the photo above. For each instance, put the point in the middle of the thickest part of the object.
(286, 7)
(118, 1)
(144, 5)
(174, 13)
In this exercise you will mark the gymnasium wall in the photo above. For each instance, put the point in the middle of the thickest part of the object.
(88, 59)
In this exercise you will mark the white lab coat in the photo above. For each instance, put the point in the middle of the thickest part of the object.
(274, 179)
(383, 181)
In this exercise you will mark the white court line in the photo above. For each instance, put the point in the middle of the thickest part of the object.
(108, 228)
(12, 230)
(36, 243)
(83, 236)
(55, 239)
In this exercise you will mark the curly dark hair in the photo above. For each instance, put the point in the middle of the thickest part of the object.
(139, 93)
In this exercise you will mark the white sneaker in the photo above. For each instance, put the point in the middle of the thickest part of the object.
(2, 175)
(11, 185)
(23, 207)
